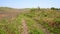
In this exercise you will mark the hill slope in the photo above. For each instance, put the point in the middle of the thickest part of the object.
(29, 21)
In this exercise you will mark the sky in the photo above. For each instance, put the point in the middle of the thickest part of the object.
(30, 3)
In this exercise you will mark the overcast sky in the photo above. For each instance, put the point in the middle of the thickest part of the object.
(30, 3)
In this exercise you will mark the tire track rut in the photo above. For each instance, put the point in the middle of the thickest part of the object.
(25, 29)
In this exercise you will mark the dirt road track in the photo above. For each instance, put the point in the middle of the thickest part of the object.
(25, 29)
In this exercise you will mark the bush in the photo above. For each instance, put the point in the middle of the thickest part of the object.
(52, 8)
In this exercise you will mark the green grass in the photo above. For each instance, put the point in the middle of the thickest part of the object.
(50, 15)
(33, 29)
(11, 26)
(33, 17)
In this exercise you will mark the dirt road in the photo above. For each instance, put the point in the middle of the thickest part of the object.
(25, 29)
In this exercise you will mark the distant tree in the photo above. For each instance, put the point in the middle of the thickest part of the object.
(38, 8)
(52, 8)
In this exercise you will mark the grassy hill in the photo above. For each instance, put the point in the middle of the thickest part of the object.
(30, 21)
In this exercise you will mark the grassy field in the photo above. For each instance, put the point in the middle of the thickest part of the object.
(38, 21)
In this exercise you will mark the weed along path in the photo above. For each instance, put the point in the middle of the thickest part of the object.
(42, 27)
(25, 29)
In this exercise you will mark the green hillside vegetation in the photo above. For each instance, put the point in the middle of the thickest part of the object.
(37, 19)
